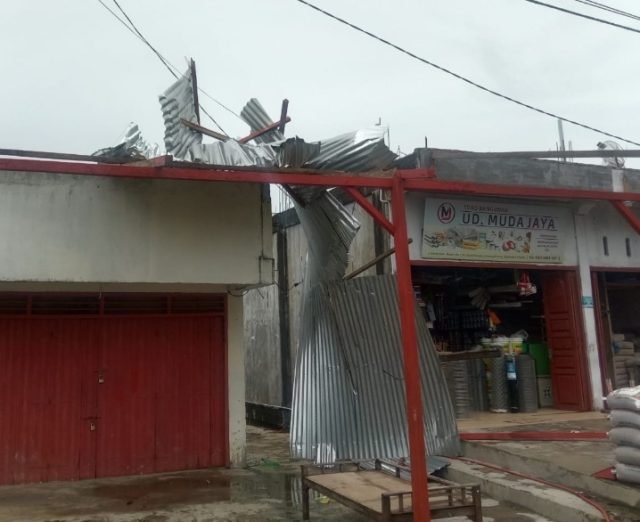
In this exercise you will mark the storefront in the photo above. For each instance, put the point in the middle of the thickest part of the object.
(500, 273)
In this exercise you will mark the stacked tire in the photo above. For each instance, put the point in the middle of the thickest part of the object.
(624, 404)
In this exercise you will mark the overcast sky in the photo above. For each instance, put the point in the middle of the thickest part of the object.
(73, 77)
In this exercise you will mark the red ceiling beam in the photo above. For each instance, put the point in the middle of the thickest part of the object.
(196, 173)
(377, 216)
(417, 179)
(628, 214)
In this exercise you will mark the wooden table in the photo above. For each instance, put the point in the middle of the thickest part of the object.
(382, 495)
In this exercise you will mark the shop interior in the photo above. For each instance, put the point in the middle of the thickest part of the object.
(471, 312)
(619, 310)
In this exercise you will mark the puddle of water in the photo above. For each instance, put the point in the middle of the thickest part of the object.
(163, 491)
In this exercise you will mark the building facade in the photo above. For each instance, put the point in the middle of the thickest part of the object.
(121, 345)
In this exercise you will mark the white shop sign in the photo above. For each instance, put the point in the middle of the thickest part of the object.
(492, 230)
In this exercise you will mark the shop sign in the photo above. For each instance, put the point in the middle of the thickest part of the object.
(481, 230)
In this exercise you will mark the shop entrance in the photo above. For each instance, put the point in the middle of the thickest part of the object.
(530, 311)
(617, 307)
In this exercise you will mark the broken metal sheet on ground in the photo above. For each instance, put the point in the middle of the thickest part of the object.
(349, 388)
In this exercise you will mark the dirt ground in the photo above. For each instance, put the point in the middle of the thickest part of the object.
(267, 490)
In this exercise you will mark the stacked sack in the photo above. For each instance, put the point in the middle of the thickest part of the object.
(624, 352)
(625, 434)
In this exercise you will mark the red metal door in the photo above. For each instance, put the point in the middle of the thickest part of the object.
(565, 339)
(89, 390)
(47, 404)
(162, 402)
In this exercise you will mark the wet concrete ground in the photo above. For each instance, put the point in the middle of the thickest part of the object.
(267, 490)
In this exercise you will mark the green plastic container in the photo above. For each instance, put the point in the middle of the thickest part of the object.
(540, 354)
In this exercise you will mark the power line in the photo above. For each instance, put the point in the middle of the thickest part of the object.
(137, 31)
(608, 8)
(576, 13)
(175, 72)
(463, 78)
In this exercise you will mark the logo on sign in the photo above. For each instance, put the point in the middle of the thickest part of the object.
(446, 213)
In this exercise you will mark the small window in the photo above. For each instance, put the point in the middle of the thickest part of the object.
(605, 245)
(627, 244)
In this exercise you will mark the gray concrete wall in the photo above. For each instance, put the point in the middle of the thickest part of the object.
(83, 229)
(262, 313)
(262, 344)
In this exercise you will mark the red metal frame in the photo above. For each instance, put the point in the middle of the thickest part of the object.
(411, 359)
(415, 179)
(628, 214)
(377, 216)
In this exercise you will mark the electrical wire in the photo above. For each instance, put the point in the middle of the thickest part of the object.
(608, 8)
(581, 15)
(175, 72)
(463, 78)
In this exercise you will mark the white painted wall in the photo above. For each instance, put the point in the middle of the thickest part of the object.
(603, 220)
(64, 228)
(236, 382)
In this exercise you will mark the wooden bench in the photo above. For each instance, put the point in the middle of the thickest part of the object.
(380, 492)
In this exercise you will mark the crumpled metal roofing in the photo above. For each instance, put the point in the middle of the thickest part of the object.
(348, 396)
(132, 146)
(357, 151)
(331, 228)
(177, 102)
(349, 400)
(256, 117)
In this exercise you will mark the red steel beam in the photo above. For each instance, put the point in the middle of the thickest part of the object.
(192, 173)
(377, 216)
(417, 179)
(535, 435)
(517, 191)
(628, 214)
(411, 359)
(264, 130)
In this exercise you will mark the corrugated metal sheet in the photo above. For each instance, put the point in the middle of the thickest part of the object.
(232, 153)
(176, 103)
(132, 146)
(356, 151)
(349, 390)
(257, 118)
(330, 228)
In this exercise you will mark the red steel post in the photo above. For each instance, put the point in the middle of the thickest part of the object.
(411, 359)
(369, 208)
(628, 214)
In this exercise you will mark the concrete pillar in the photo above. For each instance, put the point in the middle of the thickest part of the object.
(236, 384)
(587, 305)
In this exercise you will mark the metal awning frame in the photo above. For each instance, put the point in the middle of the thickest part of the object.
(398, 182)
